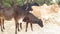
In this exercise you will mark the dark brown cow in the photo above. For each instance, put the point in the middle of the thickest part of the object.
(21, 12)
(32, 19)
(16, 12)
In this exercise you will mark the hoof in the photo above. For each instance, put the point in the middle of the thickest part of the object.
(18, 29)
(2, 30)
(25, 30)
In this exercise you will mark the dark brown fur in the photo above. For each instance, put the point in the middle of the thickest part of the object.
(16, 12)
(32, 19)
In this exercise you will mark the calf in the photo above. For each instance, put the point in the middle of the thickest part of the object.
(32, 19)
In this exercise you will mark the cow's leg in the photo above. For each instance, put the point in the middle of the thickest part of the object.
(15, 28)
(1, 25)
(21, 21)
(26, 26)
(18, 26)
(1, 28)
(31, 26)
(21, 25)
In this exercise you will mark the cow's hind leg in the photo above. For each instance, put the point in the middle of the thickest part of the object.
(31, 26)
(21, 25)
(26, 26)
(18, 26)
(1, 25)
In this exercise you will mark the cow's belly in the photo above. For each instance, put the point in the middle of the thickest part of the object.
(20, 20)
